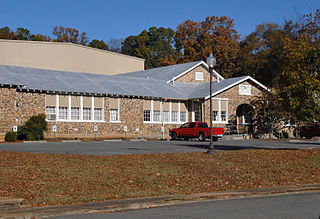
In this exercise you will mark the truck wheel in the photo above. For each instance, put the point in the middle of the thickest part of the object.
(174, 136)
(202, 137)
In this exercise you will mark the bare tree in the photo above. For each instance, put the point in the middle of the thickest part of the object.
(115, 45)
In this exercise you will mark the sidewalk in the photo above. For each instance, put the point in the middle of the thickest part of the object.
(149, 202)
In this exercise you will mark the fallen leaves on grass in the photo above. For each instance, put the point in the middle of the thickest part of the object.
(44, 179)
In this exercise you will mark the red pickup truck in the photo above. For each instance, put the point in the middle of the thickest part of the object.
(196, 130)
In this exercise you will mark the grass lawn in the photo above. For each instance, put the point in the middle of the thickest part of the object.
(49, 179)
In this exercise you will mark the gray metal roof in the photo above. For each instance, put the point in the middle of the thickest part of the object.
(62, 81)
(163, 73)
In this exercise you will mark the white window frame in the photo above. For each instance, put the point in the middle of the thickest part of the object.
(87, 113)
(77, 114)
(199, 76)
(158, 116)
(51, 111)
(174, 116)
(69, 111)
(219, 118)
(194, 111)
(114, 115)
(215, 116)
(165, 116)
(146, 115)
(185, 116)
(64, 110)
(225, 116)
(118, 114)
(98, 114)
(245, 89)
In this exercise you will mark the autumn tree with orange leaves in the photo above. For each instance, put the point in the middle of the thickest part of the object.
(69, 35)
(195, 41)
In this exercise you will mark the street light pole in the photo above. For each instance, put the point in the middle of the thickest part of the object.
(211, 61)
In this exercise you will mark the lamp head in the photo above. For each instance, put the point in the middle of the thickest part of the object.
(211, 61)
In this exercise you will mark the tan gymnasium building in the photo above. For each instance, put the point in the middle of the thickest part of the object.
(87, 92)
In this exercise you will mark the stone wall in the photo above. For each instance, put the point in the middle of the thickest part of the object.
(7, 110)
(29, 104)
(190, 76)
(18, 107)
(131, 115)
(234, 100)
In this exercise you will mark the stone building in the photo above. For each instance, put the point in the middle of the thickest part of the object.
(141, 103)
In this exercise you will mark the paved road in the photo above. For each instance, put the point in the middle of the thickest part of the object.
(144, 147)
(284, 206)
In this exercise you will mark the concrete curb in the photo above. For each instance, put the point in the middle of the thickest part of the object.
(240, 137)
(10, 203)
(137, 203)
(28, 142)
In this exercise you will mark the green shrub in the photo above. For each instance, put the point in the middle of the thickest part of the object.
(10, 136)
(33, 128)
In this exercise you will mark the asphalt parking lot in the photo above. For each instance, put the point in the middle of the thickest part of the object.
(147, 147)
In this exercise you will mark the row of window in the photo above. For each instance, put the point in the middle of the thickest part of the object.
(177, 112)
(114, 115)
(175, 116)
(75, 113)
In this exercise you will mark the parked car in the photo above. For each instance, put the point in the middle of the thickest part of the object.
(198, 130)
(309, 131)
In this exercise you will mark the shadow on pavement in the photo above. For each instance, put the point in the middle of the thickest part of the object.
(301, 142)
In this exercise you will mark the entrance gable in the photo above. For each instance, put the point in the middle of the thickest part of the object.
(197, 75)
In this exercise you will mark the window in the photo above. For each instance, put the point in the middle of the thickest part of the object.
(63, 112)
(183, 116)
(245, 89)
(86, 113)
(247, 119)
(196, 116)
(156, 116)
(223, 116)
(114, 115)
(196, 111)
(166, 116)
(51, 113)
(199, 76)
(98, 114)
(192, 125)
(74, 108)
(202, 125)
(75, 113)
(215, 115)
(147, 115)
(185, 125)
(174, 117)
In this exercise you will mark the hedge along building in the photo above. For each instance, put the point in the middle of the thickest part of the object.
(144, 103)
